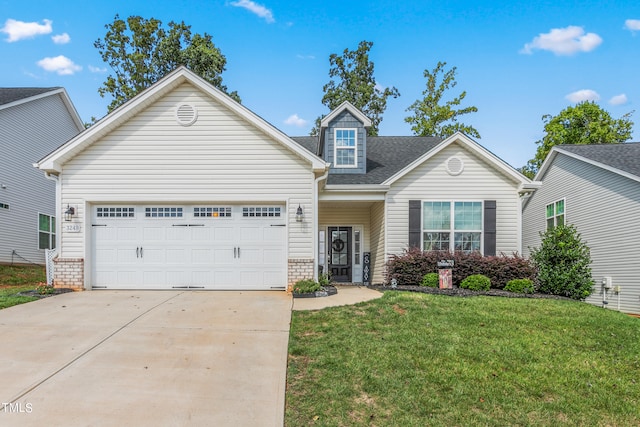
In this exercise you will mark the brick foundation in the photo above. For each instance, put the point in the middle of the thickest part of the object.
(299, 269)
(68, 273)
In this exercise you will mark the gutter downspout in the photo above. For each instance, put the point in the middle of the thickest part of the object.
(315, 220)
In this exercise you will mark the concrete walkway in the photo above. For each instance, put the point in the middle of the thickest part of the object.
(347, 295)
(146, 358)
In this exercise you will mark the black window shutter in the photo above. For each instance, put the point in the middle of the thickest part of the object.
(415, 223)
(489, 227)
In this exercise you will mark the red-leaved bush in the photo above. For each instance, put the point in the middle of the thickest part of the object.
(409, 267)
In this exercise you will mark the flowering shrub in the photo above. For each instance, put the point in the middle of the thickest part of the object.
(306, 286)
(410, 267)
(44, 289)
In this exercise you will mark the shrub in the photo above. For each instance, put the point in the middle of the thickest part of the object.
(476, 282)
(410, 267)
(563, 262)
(521, 286)
(324, 279)
(306, 286)
(431, 280)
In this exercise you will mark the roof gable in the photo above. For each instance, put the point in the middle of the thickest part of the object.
(622, 159)
(54, 161)
(460, 138)
(14, 96)
(346, 105)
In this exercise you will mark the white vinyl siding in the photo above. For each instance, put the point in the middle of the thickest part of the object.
(614, 240)
(480, 180)
(219, 159)
(29, 131)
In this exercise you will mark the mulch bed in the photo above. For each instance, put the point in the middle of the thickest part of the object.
(325, 292)
(460, 292)
(35, 294)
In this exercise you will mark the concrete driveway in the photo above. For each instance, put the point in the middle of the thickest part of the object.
(161, 358)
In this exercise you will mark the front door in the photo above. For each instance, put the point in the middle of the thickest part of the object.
(340, 254)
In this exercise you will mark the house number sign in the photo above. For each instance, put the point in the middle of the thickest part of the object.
(71, 228)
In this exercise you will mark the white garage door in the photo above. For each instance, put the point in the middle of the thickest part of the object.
(203, 246)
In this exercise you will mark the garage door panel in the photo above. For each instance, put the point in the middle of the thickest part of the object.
(225, 251)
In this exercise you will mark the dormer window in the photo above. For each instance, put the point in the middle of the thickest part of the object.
(345, 148)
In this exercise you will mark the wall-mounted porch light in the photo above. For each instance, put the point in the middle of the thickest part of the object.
(69, 213)
(299, 214)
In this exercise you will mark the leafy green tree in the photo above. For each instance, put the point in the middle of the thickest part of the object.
(140, 52)
(586, 123)
(354, 82)
(430, 117)
(563, 263)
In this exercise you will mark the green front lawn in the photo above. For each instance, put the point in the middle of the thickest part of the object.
(15, 279)
(411, 359)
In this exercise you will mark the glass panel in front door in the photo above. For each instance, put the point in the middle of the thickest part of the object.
(339, 252)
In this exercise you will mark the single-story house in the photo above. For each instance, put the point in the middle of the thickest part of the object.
(183, 187)
(597, 189)
(33, 123)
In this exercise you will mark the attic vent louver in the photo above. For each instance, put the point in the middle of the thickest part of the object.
(186, 114)
(454, 166)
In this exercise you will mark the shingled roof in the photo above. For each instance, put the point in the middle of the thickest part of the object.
(12, 94)
(625, 157)
(386, 156)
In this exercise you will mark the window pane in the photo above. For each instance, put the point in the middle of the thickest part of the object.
(560, 207)
(467, 242)
(43, 240)
(53, 241)
(53, 224)
(345, 157)
(549, 223)
(346, 138)
(43, 222)
(436, 241)
(560, 220)
(468, 216)
(436, 216)
(550, 210)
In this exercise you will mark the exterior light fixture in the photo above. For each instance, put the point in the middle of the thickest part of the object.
(299, 214)
(69, 213)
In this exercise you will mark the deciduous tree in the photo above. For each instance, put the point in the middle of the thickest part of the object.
(586, 123)
(352, 80)
(430, 116)
(140, 52)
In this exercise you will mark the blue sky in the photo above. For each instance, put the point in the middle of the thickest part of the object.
(516, 60)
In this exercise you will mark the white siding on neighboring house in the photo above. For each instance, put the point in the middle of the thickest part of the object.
(220, 158)
(479, 181)
(603, 206)
(29, 131)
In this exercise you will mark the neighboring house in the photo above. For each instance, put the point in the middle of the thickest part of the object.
(33, 123)
(597, 189)
(182, 187)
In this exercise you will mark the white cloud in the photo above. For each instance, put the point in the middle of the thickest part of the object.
(632, 24)
(61, 38)
(97, 69)
(305, 56)
(18, 30)
(294, 120)
(618, 99)
(60, 64)
(255, 8)
(564, 41)
(583, 95)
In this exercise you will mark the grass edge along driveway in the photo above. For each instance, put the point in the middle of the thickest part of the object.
(415, 359)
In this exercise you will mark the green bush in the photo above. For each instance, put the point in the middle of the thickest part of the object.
(324, 279)
(563, 263)
(521, 286)
(306, 286)
(431, 280)
(410, 267)
(476, 282)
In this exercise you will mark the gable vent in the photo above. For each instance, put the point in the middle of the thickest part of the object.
(454, 166)
(186, 114)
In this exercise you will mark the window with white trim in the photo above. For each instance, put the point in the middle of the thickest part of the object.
(46, 231)
(346, 143)
(115, 212)
(4, 206)
(555, 214)
(452, 226)
(261, 211)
